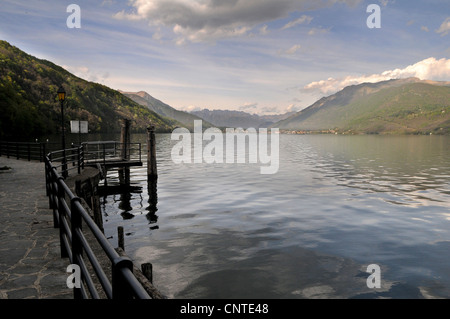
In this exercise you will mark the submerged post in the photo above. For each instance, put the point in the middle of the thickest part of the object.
(151, 154)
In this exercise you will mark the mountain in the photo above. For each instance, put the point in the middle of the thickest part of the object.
(145, 99)
(30, 108)
(235, 119)
(404, 106)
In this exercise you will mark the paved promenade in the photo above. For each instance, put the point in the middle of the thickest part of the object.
(30, 262)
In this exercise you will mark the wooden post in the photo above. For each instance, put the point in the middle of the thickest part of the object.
(125, 139)
(98, 219)
(120, 238)
(151, 154)
(147, 270)
(124, 176)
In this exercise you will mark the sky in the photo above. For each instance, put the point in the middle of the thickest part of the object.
(257, 56)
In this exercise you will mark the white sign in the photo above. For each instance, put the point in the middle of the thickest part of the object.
(79, 127)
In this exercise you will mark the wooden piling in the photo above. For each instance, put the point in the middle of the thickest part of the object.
(120, 238)
(98, 219)
(148, 286)
(147, 270)
(125, 139)
(152, 171)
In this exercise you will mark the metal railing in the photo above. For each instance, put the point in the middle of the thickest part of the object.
(112, 149)
(77, 157)
(68, 160)
(69, 215)
(30, 151)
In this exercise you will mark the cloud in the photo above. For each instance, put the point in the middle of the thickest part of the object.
(263, 30)
(268, 110)
(425, 28)
(206, 20)
(293, 108)
(315, 31)
(304, 19)
(191, 108)
(85, 73)
(291, 51)
(428, 69)
(444, 29)
(248, 106)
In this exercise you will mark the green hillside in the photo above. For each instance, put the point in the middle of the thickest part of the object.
(407, 106)
(30, 108)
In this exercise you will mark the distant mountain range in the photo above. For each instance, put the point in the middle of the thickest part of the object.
(404, 106)
(30, 108)
(161, 108)
(29, 105)
(238, 119)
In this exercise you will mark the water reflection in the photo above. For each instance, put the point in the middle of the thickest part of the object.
(126, 195)
(413, 173)
(152, 189)
(336, 204)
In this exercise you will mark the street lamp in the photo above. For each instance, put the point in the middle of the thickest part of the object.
(62, 97)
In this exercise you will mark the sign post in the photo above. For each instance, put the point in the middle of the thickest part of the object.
(80, 127)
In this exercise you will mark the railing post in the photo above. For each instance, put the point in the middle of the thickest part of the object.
(54, 198)
(47, 189)
(82, 156)
(43, 150)
(77, 248)
(104, 155)
(50, 186)
(79, 159)
(120, 288)
(61, 215)
(29, 152)
(17, 150)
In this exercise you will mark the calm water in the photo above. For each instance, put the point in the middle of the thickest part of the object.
(336, 205)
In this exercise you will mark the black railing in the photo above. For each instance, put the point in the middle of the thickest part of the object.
(32, 151)
(93, 153)
(69, 215)
(111, 149)
(68, 160)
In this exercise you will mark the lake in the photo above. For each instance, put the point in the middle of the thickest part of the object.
(336, 205)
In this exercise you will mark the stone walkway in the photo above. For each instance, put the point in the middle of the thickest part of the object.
(30, 262)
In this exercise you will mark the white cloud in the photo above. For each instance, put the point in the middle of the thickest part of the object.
(384, 2)
(263, 30)
(248, 106)
(304, 19)
(428, 69)
(444, 29)
(87, 74)
(293, 108)
(192, 108)
(206, 20)
(291, 51)
(315, 31)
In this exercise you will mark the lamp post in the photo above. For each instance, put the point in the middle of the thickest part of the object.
(62, 97)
